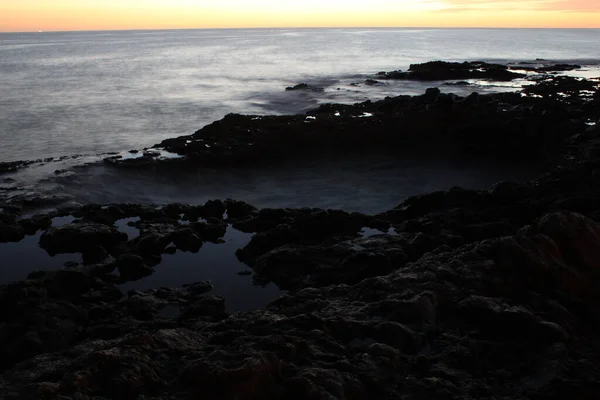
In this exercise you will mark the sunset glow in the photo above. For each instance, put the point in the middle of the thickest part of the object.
(34, 15)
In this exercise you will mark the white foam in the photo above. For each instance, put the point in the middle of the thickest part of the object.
(166, 155)
(125, 155)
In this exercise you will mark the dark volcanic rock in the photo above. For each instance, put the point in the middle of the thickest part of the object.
(186, 239)
(13, 166)
(493, 319)
(80, 237)
(293, 266)
(303, 226)
(211, 231)
(213, 209)
(373, 82)
(239, 210)
(94, 254)
(564, 88)
(442, 70)
(304, 86)
(199, 287)
(11, 232)
(505, 126)
(132, 267)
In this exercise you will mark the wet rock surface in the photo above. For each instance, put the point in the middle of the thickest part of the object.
(305, 87)
(528, 125)
(443, 70)
(6, 167)
(464, 294)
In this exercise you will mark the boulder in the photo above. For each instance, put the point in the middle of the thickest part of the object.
(80, 237)
(94, 255)
(186, 239)
(132, 267)
(237, 210)
(11, 233)
(210, 231)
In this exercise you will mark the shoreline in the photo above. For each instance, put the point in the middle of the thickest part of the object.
(452, 294)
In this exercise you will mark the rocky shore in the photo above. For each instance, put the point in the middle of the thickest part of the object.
(531, 124)
(462, 294)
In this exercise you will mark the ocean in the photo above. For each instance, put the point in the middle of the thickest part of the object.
(93, 92)
(73, 93)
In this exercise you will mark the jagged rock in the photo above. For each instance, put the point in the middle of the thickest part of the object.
(442, 70)
(79, 237)
(199, 287)
(186, 239)
(304, 86)
(211, 231)
(11, 233)
(94, 254)
(132, 267)
(237, 210)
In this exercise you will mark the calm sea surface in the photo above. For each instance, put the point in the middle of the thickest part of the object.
(92, 92)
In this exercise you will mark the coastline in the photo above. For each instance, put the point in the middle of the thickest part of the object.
(463, 293)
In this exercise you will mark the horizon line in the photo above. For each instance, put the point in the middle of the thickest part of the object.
(294, 27)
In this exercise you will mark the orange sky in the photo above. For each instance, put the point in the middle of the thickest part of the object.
(34, 15)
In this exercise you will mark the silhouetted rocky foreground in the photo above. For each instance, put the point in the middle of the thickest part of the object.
(465, 294)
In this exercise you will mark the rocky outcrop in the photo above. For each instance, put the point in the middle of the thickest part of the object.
(80, 237)
(443, 70)
(13, 166)
(506, 317)
(531, 125)
(304, 87)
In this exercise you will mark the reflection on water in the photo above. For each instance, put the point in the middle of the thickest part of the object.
(21, 258)
(131, 231)
(216, 263)
(367, 184)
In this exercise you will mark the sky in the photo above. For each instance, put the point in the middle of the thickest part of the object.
(60, 15)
